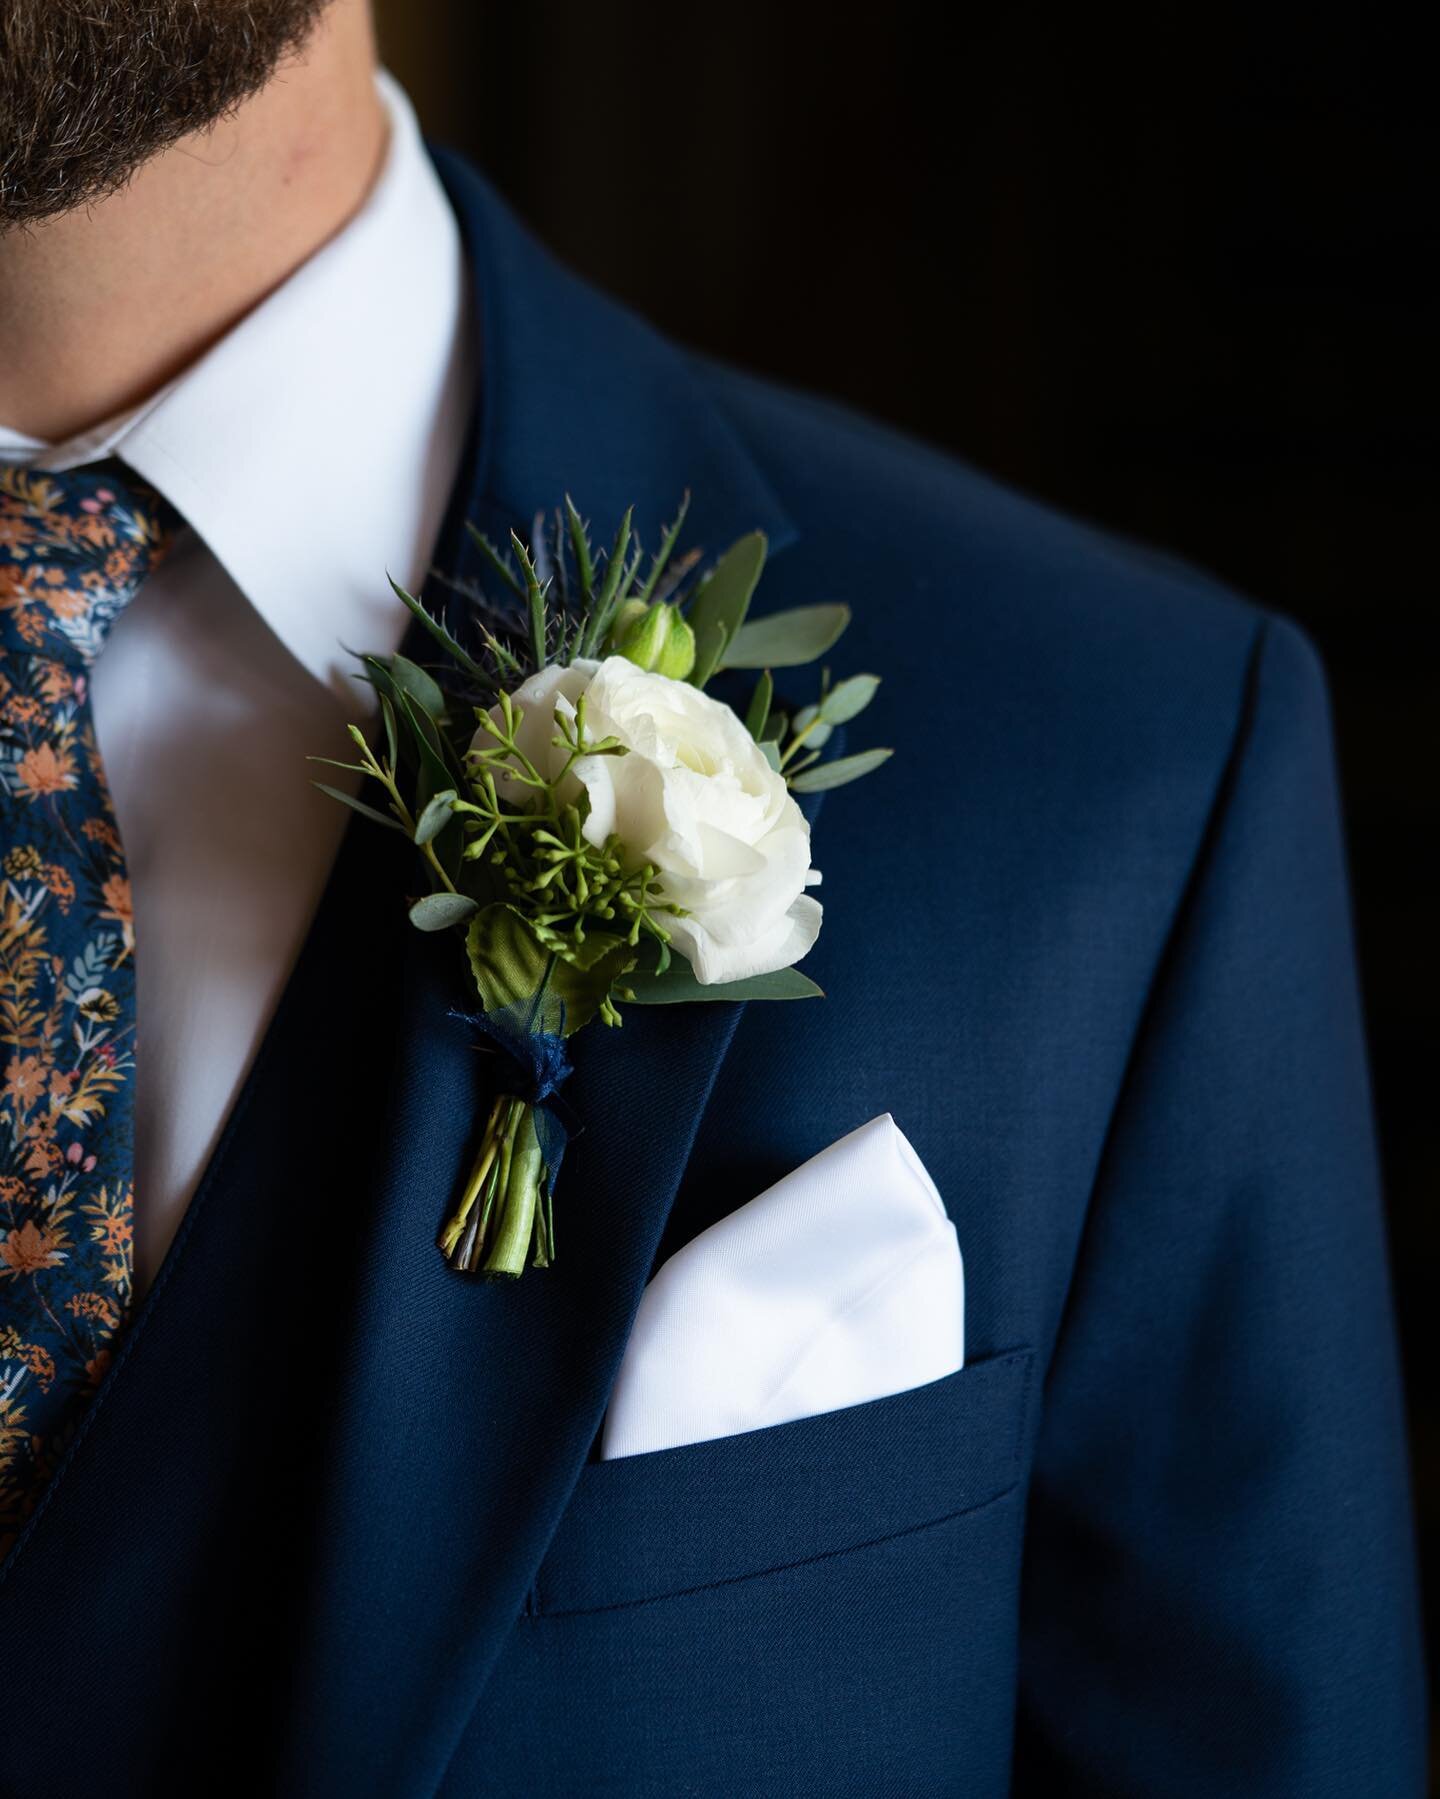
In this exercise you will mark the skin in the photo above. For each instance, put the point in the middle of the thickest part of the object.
(102, 305)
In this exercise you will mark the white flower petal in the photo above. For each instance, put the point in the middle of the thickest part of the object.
(694, 796)
(787, 940)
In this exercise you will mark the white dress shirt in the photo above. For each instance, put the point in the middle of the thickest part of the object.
(310, 451)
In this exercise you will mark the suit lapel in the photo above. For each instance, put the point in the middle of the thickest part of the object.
(430, 1427)
(511, 1381)
(466, 1410)
(581, 396)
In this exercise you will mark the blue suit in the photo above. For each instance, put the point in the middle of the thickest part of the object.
(334, 1524)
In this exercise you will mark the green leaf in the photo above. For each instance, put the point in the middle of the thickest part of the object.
(580, 991)
(412, 698)
(437, 814)
(836, 774)
(760, 706)
(438, 911)
(596, 947)
(435, 776)
(611, 593)
(678, 985)
(770, 750)
(709, 647)
(808, 720)
(506, 957)
(511, 967)
(668, 539)
(535, 598)
(721, 601)
(787, 639)
(580, 549)
(849, 699)
(349, 799)
(423, 688)
(438, 631)
(387, 713)
(496, 560)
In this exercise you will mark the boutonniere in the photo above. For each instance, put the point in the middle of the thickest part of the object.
(597, 830)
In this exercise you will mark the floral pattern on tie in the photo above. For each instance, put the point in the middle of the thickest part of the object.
(74, 549)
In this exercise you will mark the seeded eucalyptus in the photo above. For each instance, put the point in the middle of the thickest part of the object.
(597, 829)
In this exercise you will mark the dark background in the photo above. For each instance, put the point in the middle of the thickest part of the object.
(1171, 283)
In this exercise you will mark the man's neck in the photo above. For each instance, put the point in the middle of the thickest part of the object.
(101, 307)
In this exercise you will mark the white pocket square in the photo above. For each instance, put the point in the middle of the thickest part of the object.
(843, 1282)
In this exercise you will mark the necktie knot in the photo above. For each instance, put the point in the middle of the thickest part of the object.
(74, 549)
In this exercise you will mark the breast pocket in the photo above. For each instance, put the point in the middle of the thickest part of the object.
(675, 1521)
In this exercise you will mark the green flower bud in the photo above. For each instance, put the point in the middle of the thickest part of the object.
(655, 638)
(625, 620)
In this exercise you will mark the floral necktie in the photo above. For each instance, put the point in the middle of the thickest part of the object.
(74, 548)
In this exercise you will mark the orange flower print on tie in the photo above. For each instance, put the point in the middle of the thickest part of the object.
(45, 770)
(27, 1250)
(74, 548)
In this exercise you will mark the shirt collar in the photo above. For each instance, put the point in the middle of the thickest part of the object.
(314, 446)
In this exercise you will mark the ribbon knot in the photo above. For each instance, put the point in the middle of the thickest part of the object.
(533, 1065)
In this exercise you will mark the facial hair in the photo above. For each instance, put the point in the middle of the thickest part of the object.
(92, 89)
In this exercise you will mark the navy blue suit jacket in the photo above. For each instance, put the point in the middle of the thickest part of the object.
(334, 1523)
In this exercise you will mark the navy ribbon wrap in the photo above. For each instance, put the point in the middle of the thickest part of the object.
(532, 1064)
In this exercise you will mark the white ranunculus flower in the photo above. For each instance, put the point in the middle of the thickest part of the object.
(536, 698)
(695, 797)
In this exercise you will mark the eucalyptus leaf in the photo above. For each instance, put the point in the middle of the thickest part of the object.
(437, 814)
(770, 750)
(787, 639)
(438, 911)
(759, 711)
(723, 598)
(349, 799)
(815, 729)
(836, 774)
(849, 699)
(387, 714)
(678, 985)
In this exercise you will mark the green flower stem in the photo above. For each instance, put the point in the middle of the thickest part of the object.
(428, 850)
(797, 740)
(502, 1212)
(386, 777)
(489, 1146)
(522, 1193)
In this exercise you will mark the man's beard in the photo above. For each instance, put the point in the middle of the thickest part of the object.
(91, 89)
